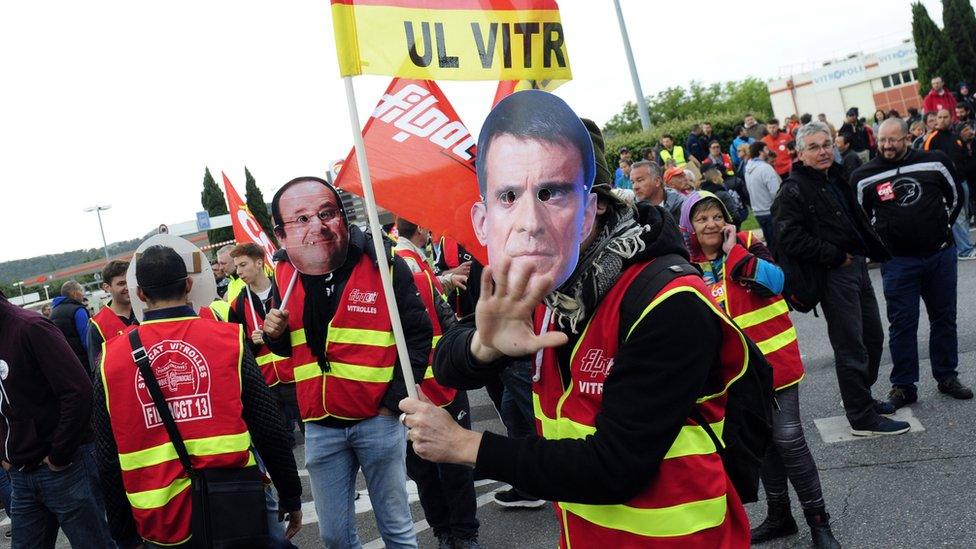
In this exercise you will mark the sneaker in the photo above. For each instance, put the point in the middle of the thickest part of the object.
(899, 397)
(955, 389)
(884, 408)
(445, 542)
(515, 498)
(467, 543)
(967, 257)
(883, 427)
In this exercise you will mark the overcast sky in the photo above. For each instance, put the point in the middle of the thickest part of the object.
(125, 103)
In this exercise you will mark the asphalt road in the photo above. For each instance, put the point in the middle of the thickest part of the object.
(913, 490)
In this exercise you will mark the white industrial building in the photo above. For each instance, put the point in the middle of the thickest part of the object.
(884, 80)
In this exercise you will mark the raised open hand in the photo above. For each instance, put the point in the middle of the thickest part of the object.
(503, 317)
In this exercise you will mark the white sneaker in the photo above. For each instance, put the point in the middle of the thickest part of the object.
(968, 257)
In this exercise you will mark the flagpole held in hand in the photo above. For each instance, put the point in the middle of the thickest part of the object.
(291, 285)
(374, 228)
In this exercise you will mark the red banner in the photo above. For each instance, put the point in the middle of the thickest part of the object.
(246, 228)
(421, 160)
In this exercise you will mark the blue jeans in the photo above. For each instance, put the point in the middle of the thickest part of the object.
(43, 500)
(960, 229)
(5, 491)
(333, 457)
(932, 278)
(516, 410)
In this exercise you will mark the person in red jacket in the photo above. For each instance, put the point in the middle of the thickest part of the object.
(939, 98)
(779, 142)
(747, 284)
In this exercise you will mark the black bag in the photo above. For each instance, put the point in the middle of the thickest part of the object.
(748, 429)
(804, 284)
(229, 508)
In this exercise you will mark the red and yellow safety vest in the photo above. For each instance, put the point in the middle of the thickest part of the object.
(690, 502)
(197, 363)
(430, 290)
(274, 368)
(108, 324)
(766, 320)
(360, 348)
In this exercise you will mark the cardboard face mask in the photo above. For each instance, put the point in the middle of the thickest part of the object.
(535, 172)
(204, 289)
(312, 227)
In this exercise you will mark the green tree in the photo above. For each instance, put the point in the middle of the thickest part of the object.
(697, 101)
(214, 202)
(255, 202)
(959, 22)
(936, 55)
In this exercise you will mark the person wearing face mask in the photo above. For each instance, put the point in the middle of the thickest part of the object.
(740, 272)
(336, 328)
(913, 198)
(618, 375)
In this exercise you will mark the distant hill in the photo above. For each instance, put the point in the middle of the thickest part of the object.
(19, 269)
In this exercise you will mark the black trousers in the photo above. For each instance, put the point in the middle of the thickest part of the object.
(855, 333)
(447, 491)
(789, 456)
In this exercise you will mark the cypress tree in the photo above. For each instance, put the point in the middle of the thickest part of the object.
(214, 202)
(255, 203)
(936, 56)
(959, 22)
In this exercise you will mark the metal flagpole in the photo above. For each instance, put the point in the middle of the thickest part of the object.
(374, 228)
(641, 101)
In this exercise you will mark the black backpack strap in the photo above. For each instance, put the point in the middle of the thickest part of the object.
(697, 418)
(657, 274)
(142, 361)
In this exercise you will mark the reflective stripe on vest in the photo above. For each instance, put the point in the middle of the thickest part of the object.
(765, 320)
(197, 363)
(360, 348)
(679, 155)
(691, 465)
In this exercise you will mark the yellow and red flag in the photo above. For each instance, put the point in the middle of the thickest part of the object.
(451, 39)
(246, 228)
(421, 161)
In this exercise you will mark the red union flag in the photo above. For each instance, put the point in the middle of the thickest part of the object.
(246, 228)
(421, 161)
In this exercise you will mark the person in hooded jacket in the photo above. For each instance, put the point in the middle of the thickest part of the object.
(613, 349)
(747, 284)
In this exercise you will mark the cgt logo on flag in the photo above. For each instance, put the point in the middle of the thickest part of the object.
(412, 110)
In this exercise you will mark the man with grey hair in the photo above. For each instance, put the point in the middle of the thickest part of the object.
(70, 314)
(649, 187)
(824, 239)
(912, 198)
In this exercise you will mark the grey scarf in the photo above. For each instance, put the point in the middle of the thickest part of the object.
(598, 269)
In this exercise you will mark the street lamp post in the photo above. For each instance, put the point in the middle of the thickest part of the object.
(46, 296)
(98, 211)
(21, 284)
(641, 101)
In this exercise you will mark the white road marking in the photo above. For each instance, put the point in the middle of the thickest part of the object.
(837, 429)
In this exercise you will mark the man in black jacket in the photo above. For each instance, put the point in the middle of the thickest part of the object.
(330, 256)
(70, 315)
(913, 198)
(642, 390)
(160, 268)
(821, 228)
(46, 406)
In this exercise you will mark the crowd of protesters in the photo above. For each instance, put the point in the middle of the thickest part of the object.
(79, 454)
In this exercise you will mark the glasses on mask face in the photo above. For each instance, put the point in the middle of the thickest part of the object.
(325, 215)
